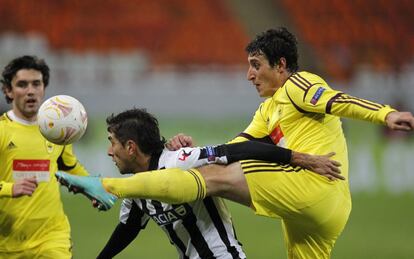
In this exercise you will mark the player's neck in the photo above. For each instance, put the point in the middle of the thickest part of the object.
(31, 117)
(21, 119)
(286, 76)
(142, 163)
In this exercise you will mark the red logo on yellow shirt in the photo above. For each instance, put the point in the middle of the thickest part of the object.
(277, 136)
(26, 168)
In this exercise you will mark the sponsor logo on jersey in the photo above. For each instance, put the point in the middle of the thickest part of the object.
(277, 136)
(184, 155)
(25, 168)
(317, 95)
(170, 216)
(11, 145)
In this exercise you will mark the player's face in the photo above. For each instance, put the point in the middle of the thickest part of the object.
(262, 75)
(120, 155)
(27, 91)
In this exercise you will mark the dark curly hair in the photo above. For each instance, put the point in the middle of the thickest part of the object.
(137, 125)
(275, 44)
(23, 62)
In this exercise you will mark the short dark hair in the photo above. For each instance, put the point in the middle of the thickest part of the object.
(275, 44)
(23, 62)
(137, 125)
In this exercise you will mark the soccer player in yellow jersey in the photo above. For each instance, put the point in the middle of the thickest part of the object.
(302, 113)
(33, 225)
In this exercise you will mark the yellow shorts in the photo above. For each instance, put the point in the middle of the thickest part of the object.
(60, 248)
(50, 243)
(314, 210)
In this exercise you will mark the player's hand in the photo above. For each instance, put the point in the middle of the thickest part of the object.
(400, 121)
(24, 187)
(322, 165)
(179, 141)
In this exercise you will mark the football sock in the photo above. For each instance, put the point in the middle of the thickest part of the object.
(169, 185)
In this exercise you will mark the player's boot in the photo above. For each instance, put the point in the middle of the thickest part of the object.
(90, 186)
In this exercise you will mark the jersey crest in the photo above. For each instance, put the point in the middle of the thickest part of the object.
(49, 147)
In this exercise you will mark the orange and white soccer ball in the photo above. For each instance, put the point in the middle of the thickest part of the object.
(62, 119)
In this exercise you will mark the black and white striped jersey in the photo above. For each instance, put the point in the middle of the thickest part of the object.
(201, 229)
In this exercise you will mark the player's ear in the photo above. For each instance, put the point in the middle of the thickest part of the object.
(281, 65)
(131, 147)
(8, 91)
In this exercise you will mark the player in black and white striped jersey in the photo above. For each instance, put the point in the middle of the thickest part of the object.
(201, 229)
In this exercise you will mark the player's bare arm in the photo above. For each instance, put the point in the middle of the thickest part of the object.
(320, 164)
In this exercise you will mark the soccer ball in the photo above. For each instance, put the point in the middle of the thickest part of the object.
(62, 119)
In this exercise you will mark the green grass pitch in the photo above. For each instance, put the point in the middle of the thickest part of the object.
(380, 227)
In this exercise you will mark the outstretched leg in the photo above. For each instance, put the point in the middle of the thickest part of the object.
(168, 185)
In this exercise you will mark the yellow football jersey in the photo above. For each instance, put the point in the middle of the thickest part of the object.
(303, 115)
(24, 152)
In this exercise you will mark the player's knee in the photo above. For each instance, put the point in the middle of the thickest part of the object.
(213, 177)
(221, 179)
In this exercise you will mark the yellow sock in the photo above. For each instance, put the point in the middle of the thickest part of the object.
(169, 185)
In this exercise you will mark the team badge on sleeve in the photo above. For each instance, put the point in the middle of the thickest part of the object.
(211, 155)
(184, 155)
(317, 95)
(183, 158)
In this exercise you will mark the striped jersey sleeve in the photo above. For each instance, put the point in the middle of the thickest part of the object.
(5, 187)
(131, 214)
(310, 93)
(186, 158)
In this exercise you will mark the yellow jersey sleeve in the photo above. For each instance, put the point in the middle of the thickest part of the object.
(257, 129)
(6, 189)
(310, 93)
(69, 163)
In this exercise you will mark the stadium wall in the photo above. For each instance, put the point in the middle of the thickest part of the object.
(114, 82)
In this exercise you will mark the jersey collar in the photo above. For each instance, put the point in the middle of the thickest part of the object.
(12, 116)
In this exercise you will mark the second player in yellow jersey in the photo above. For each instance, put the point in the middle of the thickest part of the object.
(33, 223)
